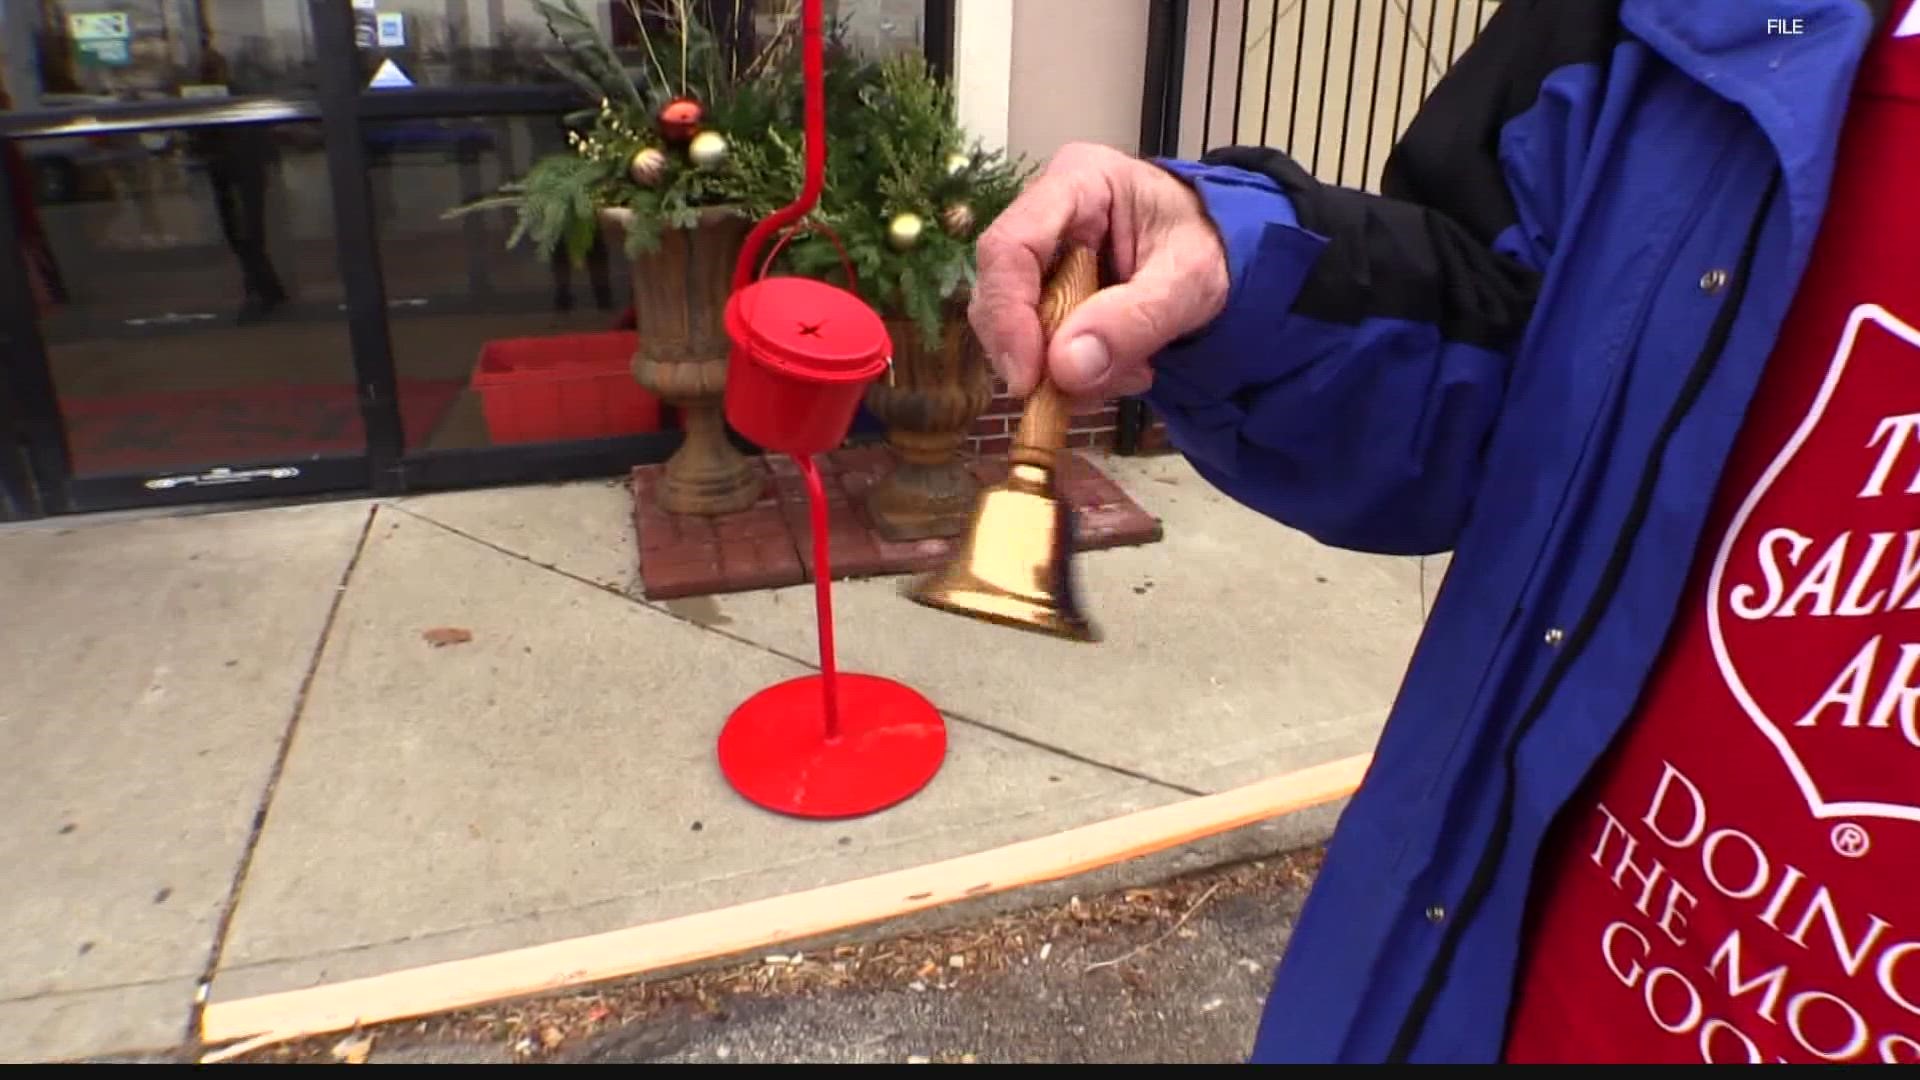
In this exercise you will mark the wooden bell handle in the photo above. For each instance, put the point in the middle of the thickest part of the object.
(1044, 422)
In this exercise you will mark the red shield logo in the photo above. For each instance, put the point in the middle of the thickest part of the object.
(1815, 596)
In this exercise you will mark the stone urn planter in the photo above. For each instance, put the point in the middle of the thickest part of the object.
(680, 295)
(928, 402)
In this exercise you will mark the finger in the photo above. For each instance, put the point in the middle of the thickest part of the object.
(1067, 204)
(1004, 311)
(1105, 346)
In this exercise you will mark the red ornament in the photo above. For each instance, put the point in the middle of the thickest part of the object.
(680, 119)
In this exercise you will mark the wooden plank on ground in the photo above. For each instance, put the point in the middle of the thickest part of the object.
(744, 928)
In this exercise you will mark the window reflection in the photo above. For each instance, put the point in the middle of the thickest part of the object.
(62, 53)
(194, 314)
(54, 53)
(881, 27)
(463, 42)
(191, 304)
(454, 289)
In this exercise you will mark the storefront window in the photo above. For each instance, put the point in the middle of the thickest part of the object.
(190, 305)
(454, 288)
(881, 27)
(465, 42)
(89, 52)
(456, 293)
(192, 310)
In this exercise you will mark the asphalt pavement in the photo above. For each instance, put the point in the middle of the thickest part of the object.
(1170, 974)
(1195, 997)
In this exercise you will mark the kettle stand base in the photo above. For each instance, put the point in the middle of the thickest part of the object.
(889, 742)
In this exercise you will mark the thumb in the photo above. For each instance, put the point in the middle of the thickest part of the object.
(1112, 337)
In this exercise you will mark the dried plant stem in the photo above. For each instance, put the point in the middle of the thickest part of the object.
(733, 47)
(646, 39)
(681, 7)
(773, 44)
(1204, 897)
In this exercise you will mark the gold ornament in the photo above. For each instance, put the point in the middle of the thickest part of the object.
(707, 150)
(649, 164)
(957, 164)
(904, 231)
(957, 220)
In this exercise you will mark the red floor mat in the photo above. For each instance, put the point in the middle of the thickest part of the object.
(250, 424)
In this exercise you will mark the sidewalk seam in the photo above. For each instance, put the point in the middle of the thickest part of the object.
(811, 665)
(225, 925)
(269, 962)
(1074, 756)
(1425, 612)
(76, 991)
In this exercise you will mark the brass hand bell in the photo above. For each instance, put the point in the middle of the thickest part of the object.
(1016, 566)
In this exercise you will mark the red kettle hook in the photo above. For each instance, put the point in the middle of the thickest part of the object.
(813, 68)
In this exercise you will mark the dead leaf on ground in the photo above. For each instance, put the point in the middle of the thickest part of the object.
(1122, 925)
(353, 1051)
(447, 635)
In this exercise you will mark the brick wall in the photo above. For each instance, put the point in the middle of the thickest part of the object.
(1154, 439)
(993, 431)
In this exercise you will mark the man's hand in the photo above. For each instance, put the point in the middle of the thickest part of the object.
(1169, 263)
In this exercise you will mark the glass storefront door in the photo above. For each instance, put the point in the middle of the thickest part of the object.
(194, 313)
(18, 492)
(174, 221)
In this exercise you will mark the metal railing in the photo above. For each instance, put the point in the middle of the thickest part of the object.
(1332, 82)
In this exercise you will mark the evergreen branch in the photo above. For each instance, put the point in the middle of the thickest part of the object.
(897, 147)
(572, 73)
(893, 128)
(700, 55)
(499, 200)
(594, 63)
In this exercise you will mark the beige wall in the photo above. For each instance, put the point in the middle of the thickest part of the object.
(1076, 74)
(983, 67)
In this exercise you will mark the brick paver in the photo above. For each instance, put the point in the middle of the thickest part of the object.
(770, 544)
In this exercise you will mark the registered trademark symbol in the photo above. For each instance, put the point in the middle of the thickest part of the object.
(1850, 840)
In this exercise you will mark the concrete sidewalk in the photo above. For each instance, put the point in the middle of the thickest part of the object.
(235, 760)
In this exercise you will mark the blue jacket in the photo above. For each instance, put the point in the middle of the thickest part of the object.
(1533, 349)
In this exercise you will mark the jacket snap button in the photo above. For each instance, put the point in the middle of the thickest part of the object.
(1555, 636)
(1436, 913)
(1713, 281)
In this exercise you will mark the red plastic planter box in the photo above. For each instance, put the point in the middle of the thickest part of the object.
(568, 386)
